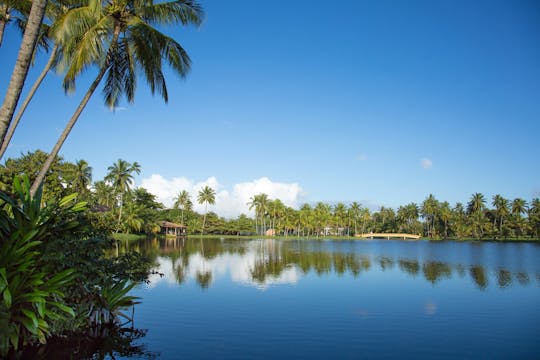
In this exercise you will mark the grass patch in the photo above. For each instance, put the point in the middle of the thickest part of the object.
(128, 237)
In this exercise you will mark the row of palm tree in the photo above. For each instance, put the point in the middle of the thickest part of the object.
(124, 208)
(118, 37)
(506, 219)
(206, 196)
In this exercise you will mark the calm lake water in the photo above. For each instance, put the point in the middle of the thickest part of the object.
(300, 299)
(237, 299)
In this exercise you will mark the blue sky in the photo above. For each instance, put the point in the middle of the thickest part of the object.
(344, 99)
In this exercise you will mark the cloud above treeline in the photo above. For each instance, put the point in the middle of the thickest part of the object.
(426, 163)
(229, 202)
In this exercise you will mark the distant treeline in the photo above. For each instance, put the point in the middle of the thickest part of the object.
(119, 207)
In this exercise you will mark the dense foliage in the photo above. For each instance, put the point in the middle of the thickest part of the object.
(117, 206)
(54, 272)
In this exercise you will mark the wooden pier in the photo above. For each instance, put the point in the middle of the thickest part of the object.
(387, 236)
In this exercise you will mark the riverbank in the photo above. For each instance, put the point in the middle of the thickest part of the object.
(133, 237)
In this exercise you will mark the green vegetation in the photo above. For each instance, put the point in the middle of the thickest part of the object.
(55, 276)
(117, 207)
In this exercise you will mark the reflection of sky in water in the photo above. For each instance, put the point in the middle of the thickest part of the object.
(237, 267)
(350, 299)
(269, 263)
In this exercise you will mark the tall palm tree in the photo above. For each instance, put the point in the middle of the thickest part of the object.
(475, 209)
(56, 11)
(83, 176)
(120, 176)
(260, 202)
(22, 64)
(534, 217)
(182, 201)
(429, 212)
(519, 207)
(206, 196)
(13, 10)
(120, 38)
(354, 210)
(340, 212)
(501, 210)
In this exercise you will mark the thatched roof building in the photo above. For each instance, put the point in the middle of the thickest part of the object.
(171, 229)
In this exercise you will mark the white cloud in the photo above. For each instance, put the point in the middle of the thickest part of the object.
(361, 157)
(237, 267)
(426, 163)
(229, 203)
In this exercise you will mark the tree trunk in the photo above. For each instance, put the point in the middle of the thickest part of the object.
(75, 117)
(22, 65)
(46, 166)
(204, 218)
(27, 100)
(3, 21)
(4, 10)
(120, 212)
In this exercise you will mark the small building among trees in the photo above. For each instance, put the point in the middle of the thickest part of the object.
(171, 229)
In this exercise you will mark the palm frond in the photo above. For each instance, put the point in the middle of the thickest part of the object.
(186, 12)
(120, 77)
(86, 50)
(150, 48)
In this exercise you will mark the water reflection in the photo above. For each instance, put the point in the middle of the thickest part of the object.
(107, 343)
(264, 263)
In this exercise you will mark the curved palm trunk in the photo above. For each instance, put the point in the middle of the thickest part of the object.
(47, 165)
(3, 21)
(22, 65)
(24, 105)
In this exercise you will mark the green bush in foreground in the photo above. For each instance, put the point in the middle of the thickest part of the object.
(31, 297)
(54, 275)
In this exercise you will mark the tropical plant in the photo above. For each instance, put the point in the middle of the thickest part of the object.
(31, 294)
(501, 211)
(475, 209)
(354, 210)
(82, 177)
(110, 302)
(206, 196)
(120, 177)
(429, 211)
(183, 201)
(120, 38)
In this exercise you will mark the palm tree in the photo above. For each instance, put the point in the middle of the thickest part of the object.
(340, 213)
(83, 176)
(501, 210)
(182, 201)
(56, 11)
(475, 208)
(429, 211)
(534, 217)
(22, 64)
(445, 214)
(354, 210)
(206, 196)
(519, 207)
(260, 204)
(9, 9)
(120, 176)
(119, 37)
